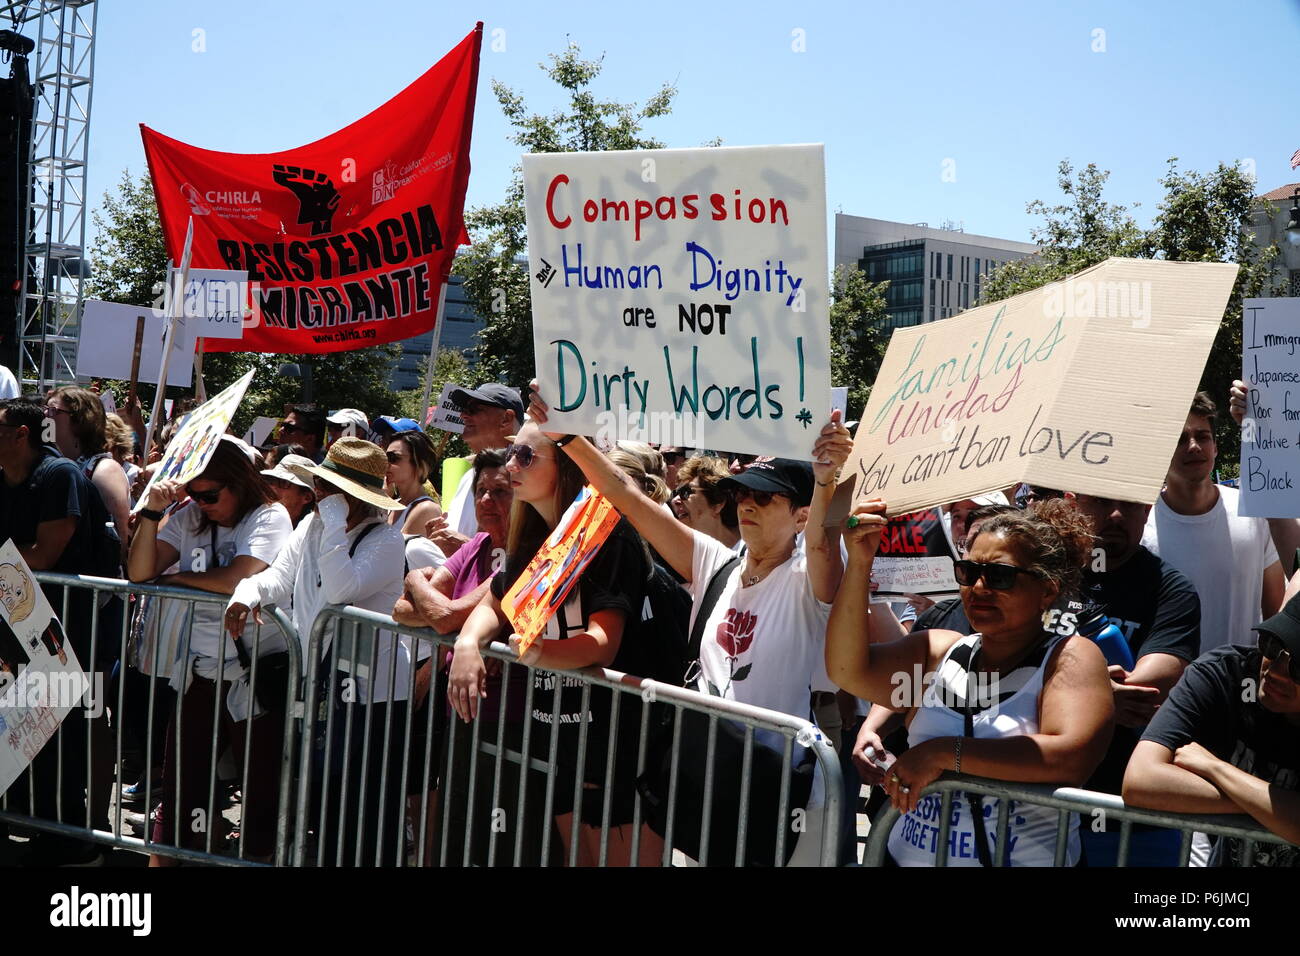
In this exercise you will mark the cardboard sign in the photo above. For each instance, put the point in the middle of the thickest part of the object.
(1270, 433)
(914, 557)
(680, 296)
(41, 680)
(196, 439)
(107, 344)
(534, 598)
(446, 414)
(215, 303)
(1081, 385)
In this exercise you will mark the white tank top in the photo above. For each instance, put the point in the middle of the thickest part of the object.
(1031, 831)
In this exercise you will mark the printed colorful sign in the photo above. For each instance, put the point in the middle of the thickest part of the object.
(1054, 387)
(191, 448)
(680, 296)
(534, 598)
(1270, 433)
(349, 238)
(41, 680)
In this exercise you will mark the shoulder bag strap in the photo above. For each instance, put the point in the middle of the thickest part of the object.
(974, 800)
(707, 602)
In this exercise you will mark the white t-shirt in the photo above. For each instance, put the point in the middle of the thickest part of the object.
(262, 534)
(461, 516)
(8, 384)
(762, 645)
(1224, 556)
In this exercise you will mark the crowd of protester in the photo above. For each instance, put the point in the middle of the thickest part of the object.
(1147, 651)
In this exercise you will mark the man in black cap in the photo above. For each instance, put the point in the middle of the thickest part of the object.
(491, 413)
(1228, 741)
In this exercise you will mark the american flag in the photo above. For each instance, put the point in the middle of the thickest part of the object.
(1295, 159)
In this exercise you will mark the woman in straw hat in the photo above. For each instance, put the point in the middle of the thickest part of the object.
(345, 552)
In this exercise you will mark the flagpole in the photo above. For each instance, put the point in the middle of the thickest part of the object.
(182, 276)
(433, 350)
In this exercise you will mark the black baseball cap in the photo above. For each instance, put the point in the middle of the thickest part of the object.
(1285, 626)
(781, 476)
(491, 393)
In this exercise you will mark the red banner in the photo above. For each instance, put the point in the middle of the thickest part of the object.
(348, 239)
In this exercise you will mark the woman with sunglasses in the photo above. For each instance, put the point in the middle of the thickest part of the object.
(231, 529)
(1227, 740)
(599, 624)
(780, 592)
(1010, 702)
(410, 461)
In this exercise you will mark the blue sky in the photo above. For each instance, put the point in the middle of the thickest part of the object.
(1003, 89)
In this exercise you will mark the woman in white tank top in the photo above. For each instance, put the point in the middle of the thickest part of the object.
(1011, 702)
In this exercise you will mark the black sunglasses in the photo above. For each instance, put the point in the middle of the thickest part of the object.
(1271, 646)
(761, 498)
(291, 427)
(999, 577)
(205, 497)
(524, 454)
(672, 457)
(395, 457)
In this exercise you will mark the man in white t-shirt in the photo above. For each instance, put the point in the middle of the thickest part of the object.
(8, 384)
(491, 413)
(1194, 526)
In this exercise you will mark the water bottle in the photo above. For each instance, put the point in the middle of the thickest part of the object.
(1097, 626)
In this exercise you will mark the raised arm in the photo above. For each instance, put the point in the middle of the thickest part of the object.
(668, 536)
(822, 547)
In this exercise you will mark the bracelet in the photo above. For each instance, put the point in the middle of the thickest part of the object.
(561, 442)
(957, 758)
(151, 515)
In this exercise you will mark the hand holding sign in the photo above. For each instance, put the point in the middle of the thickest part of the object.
(863, 529)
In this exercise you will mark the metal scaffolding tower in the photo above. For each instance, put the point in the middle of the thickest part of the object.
(54, 261)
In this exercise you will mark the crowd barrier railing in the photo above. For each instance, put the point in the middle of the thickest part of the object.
(76, 785)
(491, 793)
(1069, 802)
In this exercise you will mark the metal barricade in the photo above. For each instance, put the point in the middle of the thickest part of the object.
(1069, 802)
(100, 617)
(507, 788)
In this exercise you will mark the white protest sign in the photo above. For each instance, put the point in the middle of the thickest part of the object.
(261, 430)
(1270, 433)
(107, 344)
(680, 296)
(41, 680)
(1081, 385)
(898, 577)
(191, 448)
(840, 400)
(446, 414)
(215, 302)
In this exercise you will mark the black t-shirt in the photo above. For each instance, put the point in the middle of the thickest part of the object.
(55, 489)
(615, 579)
(1207, 706)
(1157, 610)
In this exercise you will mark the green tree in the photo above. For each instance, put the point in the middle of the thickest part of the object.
(451, 366)
(129, 263)
(1203, 217)
(857, 339)
(494, 267)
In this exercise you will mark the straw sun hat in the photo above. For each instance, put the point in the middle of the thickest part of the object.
(356, 466)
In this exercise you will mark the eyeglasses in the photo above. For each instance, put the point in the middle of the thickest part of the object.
(998, 577)
(524, 454)
(55, 410)
(1271, 646)
(761, 498)
(395, 457)
(205, 497)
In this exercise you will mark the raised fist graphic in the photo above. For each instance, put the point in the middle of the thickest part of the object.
(317, 197)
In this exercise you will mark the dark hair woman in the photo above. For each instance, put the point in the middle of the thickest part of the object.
(230, 529)
(81, 433)
(1011, 701)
